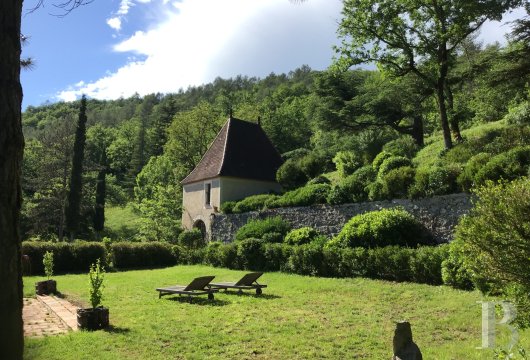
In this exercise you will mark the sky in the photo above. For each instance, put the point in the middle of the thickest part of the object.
(116, 48)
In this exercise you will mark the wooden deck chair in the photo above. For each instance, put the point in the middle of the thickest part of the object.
(247, 282)
(199, 286)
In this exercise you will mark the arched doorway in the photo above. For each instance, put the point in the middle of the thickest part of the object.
(199, 224)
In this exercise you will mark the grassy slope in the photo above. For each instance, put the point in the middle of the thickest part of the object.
(121, 222)
(296, 318)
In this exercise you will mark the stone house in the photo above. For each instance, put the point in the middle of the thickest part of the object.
(241, 161)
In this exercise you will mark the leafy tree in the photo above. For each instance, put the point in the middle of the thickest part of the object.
(413, 37)
(190, 134)
(99, 139)
(73, 207)
(496, 239)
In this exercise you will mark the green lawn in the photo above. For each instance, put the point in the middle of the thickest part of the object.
(297, 317)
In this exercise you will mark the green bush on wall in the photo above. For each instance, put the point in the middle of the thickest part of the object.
(254, 203)
(304, 196)
(301, 236)
(259, 227)
(382, 228)
(508, 165)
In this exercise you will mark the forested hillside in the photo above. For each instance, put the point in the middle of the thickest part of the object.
(369, 133)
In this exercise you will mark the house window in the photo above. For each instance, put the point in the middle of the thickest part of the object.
(207, 194)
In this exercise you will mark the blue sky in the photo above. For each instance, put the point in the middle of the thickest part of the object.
(114, 48)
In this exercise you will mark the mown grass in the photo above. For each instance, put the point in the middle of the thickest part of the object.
(297, 317)
(121, 222)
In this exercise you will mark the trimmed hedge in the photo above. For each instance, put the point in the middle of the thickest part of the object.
(253, 203)
(395, 263)
(382, 228)
(261, 227)
(140, 255)
(76, 256)
(304, 196)
(301, 236)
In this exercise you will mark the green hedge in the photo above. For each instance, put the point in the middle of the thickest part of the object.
(262, 227)
(395, 263)
(146, 254)
(382, 228)
(68, 257)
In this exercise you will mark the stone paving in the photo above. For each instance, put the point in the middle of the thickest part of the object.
(48, 315)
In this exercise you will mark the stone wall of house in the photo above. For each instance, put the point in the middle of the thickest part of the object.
(439, 214)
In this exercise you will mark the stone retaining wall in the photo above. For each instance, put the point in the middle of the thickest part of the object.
(439, 214)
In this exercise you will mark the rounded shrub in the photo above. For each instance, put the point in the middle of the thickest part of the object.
(250, 254)
(253, 203)
(145, 254)
(403, 146)
(304, 196)
(319, 180)
(454, 270)
(391, 163)
(301, 236)
(378, 160)
(191, 239)
(466, 179)
(519, 114)
(381, 228)
(426, 264)
(290, 175)
(397, 182)
(346, 162)
(228, 207)
(221, 255)
(353, 187)
(259, 227)
(312, 165)
(508, 165)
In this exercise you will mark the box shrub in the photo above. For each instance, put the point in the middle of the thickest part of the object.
(253, 203)
(378, 160)
(290, 175)
(353, 187)
(466, 179)
(396, 182)
(426, 264)
(221, 255)
(228, 207)
(276, 256)
(259, 227)
(312, 164)
(320, 179)
(454, 270)
(273, 237)
(146, 254)
(508, 165)
(346, 162)
(382, 228)
(191, 239)
(301, 236)
(307, 259)
(304, 196)
(250, 254)
(403, 146)
(389, 263)
(68, 257)
(435, 180)
(391, 163)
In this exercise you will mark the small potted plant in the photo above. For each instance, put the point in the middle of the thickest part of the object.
(96, 317)
(47, 286)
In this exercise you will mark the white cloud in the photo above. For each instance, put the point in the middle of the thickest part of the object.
(198, 40)
(190, 42)
(114, 23)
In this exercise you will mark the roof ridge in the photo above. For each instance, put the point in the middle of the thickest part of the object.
(229, 122)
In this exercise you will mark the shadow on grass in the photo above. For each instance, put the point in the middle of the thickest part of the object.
(116, 330)
(254, 295)
(198, 301)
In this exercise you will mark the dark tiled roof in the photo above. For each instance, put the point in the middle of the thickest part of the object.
(241, 149)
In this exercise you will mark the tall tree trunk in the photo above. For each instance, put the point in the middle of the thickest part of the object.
(417, 130)
(440, 94)
(11, 149)
(453, 119)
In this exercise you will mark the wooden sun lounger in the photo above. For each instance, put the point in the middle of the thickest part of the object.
(199, 286)
(247, 282)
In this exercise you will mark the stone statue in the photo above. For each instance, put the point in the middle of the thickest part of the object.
(404, 347)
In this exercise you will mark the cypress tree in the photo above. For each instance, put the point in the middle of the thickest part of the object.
(99, 210)
(73, 207)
